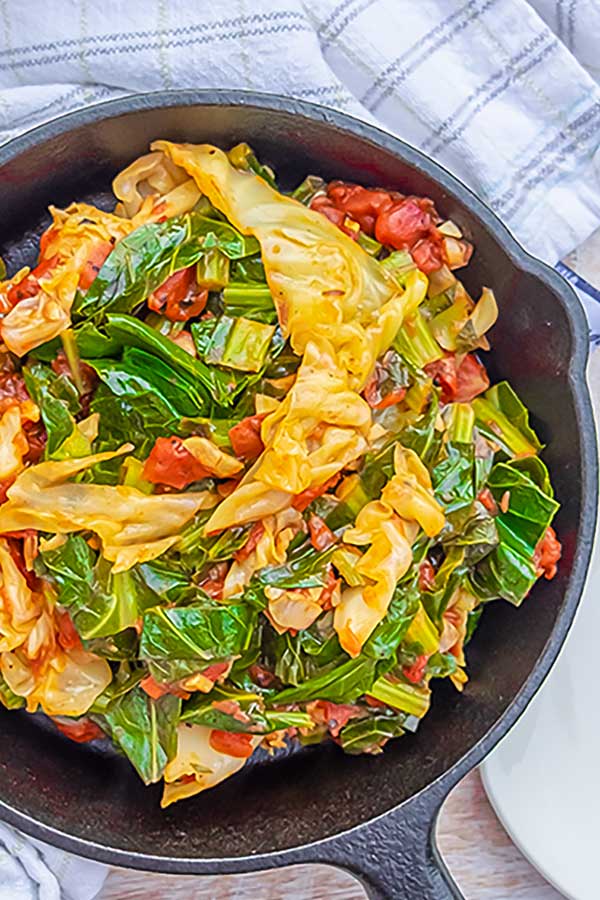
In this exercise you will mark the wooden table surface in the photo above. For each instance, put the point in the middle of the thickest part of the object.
(478, 852)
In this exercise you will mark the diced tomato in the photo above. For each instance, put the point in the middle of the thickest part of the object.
(16, 548)
(151, 687)
(35, 433)
(45, 240)
(547, 554)
(29, 286)
(13, 391)
(326, 595)
(261, 676)
(321, 536)
(81, 732)
(180, 295)
(238, 745)
(4, 486)
(171, 463)
(472, 379)
(303, 500)
(403, 223)
(340, 218)
(364, 205)
(427, 255)
(214, 672)
(256, 532)
(213, 587)
(416, 672)
(185, 779)
(68, 637)
(372, 701)
(486, 497)
(443, 371)
(155, 690)
(94, 264)
(245, 437)
(20, 535)
(333, 715)
(426, 576)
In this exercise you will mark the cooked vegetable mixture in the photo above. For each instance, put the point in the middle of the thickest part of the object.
(255, 486)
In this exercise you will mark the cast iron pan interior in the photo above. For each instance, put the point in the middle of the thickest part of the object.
(90, 800)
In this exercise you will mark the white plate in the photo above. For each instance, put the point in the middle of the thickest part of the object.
(543, 780)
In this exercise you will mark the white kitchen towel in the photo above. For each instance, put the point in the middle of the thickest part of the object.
(505, 93)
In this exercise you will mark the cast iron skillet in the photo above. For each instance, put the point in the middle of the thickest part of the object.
(374, 816)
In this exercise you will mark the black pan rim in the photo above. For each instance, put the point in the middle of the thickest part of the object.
(582, 403)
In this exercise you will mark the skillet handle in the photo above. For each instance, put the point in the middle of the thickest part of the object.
(396, 857)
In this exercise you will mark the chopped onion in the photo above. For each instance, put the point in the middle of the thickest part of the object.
(450, 229)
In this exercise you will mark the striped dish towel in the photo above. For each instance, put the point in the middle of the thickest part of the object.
(505, 93)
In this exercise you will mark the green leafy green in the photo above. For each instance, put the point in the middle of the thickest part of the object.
(249, 299)
(305, 568)
(236, 343)
(58, 400)
(140, 372)
(389, 634)
(368, 735)
(504, 419)
(509, 571)
(341, 684)
(409, 698)
(101, 603)
(186, 638)
(145, 730)
(223, 387)
(8, 699)
(145, 258)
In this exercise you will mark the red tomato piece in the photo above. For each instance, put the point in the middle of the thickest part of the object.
(339, 217)
(256, 532)
(321, 536)
(443, 371)
(238, 745)
(81, 732)
(245, 437)
(547, 554)
(171, 463)
(328, 591)
(45, 240)
(151, 687)
(427, 255)
(362, 204)
(94, 264)
(216, 670)
(35, 433)
(426, 576)
(261, 676)
(68, 637)
(180, 296)
(29, 286)
(333, 715)
(13, 391)
(471, 379)
(416, 672)
(303, 500)
(374, 702)
(402, 224)
(213, 585)
(486, 497)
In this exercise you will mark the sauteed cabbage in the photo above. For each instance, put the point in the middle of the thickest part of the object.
(255, 486)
